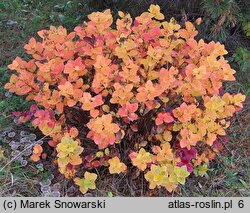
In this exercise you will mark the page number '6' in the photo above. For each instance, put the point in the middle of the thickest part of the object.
(241, 204)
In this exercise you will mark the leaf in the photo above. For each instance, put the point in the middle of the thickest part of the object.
(198, 21)
(102, 130)
(107, 151)
(155, 11)
(167, 136)
(243, 183)
(238, 99)
(189, 32)
(1, 154)
(134, 127)
(76, 161)
(149, 92)
(35, 157)
(68, 151)
(99, 154)
(86, 183)
(73, 132)
(122, 94)
(185, 112)
(181, 174)
(106, 108)
(164, 153)
(37, 149)
(116, 166)
(110, 194)
(101, 20)
(89, 102)
(96, 163)
(157, 176)
(201, 170)
(66, 89)
(141, 159)
(163, 117)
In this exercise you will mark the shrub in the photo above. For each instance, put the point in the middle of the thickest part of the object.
(145, 95)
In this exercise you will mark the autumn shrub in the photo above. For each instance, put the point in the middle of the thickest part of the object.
(144, 97)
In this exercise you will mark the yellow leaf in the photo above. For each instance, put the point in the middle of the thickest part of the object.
(155, 11)
(177, 127)
(1, 154)
(167, 136)
(86, 183)
(116, 166)
(141, 159)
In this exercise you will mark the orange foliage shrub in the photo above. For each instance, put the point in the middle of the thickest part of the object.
(145, 92)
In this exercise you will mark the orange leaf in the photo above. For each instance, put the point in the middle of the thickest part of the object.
(76, 161)
(37, 149)
(35, 157)
(73, 132)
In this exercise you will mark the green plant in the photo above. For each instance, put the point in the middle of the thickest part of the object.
(242, 58)
(220, 16)
(246, 28)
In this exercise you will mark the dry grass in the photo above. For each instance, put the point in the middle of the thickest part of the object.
(18, 184)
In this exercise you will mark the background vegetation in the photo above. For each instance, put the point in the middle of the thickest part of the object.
(227, 21)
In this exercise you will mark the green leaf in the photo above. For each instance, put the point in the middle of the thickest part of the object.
(243, 183)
